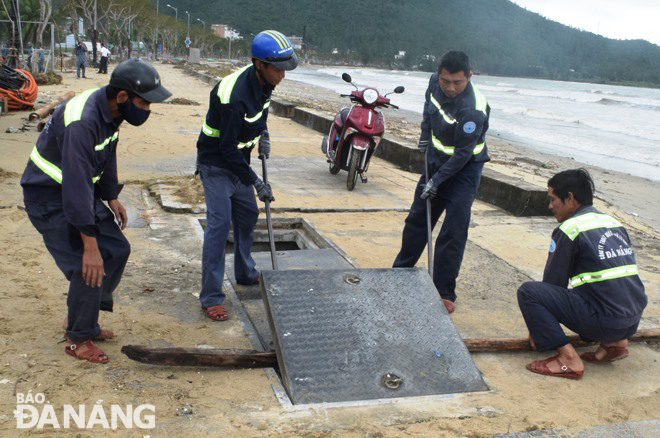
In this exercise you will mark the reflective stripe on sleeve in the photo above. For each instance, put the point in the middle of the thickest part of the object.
(259, 114)
(606, 274)
(46, 166)
(249, 144)
(113, 137)
(210, 132)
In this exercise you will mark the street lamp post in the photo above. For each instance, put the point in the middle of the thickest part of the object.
(157, 4)
(203, 22)
(176, 18)
(176, 11)
(188, 35)
(94, 39)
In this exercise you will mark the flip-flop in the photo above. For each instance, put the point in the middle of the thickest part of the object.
(216, 313)
(86, 350)
(612, 354)
(541, 367)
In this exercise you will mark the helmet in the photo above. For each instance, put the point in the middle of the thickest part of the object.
(274, 48)
(139, 78)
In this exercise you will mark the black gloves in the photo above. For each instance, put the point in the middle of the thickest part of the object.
(430, 190)
(264, 145)
(264, 192)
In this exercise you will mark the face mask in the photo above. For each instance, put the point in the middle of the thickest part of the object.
(132, 114)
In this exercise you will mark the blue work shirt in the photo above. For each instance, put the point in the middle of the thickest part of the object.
(592, 253)
(455, 129)
(84, 151)
(238, 110)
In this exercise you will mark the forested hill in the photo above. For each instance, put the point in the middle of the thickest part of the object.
(500, 37)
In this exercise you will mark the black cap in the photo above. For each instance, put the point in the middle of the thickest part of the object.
(140, 78)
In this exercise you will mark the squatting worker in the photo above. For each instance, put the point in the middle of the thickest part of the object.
(235, 123)
(71, 171)
(590, 252)
(454, 125)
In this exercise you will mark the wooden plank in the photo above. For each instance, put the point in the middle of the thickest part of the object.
(235, 358)
(211, 357)
(522, 344)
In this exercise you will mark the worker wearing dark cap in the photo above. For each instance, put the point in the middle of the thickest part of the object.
(72, 170)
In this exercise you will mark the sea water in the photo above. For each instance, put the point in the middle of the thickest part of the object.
(608, 126)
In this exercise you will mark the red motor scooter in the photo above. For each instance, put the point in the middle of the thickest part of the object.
(356, 132)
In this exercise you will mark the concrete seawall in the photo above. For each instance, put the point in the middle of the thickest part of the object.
(516, 197)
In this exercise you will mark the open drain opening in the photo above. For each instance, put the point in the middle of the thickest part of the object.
(290, 234)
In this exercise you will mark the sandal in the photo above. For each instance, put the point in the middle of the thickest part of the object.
(86, 350)
(541, 367)
(612, 354)
(216, 313)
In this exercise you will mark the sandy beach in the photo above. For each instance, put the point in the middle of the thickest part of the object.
(156, 303)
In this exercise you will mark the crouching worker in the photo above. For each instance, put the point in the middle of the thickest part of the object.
(590, 252)
(71, 171)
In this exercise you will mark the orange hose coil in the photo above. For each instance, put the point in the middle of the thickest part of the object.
(25, 96)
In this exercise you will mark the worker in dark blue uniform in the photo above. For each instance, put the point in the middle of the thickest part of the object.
(235, 123)
(454, 125)
(72, 169)
(590, 252)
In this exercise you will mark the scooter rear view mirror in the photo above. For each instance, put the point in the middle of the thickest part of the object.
(399, 89)
(346, 77)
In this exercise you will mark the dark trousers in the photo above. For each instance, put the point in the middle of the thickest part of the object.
(227, 201)
(65, 245)
(455, 197)
(80, 66)
(544, 306)
(103, 66)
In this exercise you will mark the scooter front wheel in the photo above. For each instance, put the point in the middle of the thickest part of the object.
(356, 158)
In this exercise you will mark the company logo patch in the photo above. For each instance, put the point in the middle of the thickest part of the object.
(553, 245)
(469, 127)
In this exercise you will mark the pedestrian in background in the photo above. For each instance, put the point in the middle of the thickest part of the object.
(81, 59)
(30, 52)
(105, 56)
(42, 59)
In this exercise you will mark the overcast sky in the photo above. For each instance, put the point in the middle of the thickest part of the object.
(620, 19)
